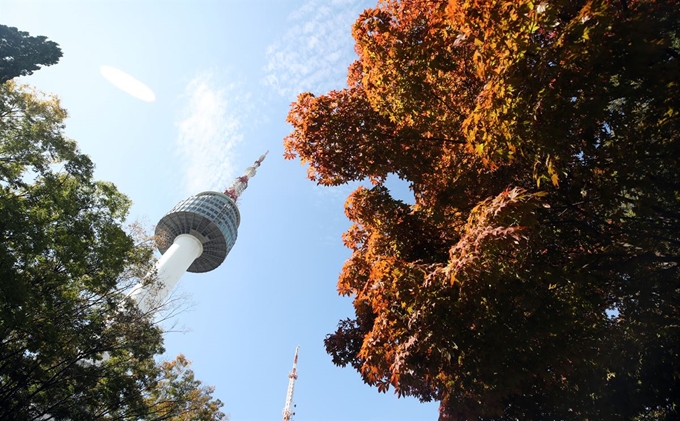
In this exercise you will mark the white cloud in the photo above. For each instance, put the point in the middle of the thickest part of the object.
(315, 51)
(208, 130)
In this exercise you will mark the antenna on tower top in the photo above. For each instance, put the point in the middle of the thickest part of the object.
(240, 184)
(287, 411)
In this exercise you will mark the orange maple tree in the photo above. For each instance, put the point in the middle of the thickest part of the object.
(537, 274)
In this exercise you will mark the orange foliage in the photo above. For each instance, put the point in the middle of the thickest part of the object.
(541, 141)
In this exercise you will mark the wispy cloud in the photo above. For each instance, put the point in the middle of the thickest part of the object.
(315, 51)
(208, 130)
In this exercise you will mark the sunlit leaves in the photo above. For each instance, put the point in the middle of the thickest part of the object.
(541, 143)
(343, 139)
(72, 345)
(178, 396)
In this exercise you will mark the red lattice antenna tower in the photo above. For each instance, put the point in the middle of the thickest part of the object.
(287, 409)
(240, 184)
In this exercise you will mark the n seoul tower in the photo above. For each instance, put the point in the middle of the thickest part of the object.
(195, 236)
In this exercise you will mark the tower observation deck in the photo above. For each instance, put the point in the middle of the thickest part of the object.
(196, 235)
(212, 218)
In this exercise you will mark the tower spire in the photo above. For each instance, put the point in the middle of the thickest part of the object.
(287, 411)
(240, 184)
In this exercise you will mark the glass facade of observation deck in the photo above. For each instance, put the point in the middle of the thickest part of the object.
(212, 217)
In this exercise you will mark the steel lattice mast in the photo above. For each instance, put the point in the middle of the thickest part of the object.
(287, 410)
(195, 236)
(240, 184)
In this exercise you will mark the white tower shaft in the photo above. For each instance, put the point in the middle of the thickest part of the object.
(169, 268)
(287, 410)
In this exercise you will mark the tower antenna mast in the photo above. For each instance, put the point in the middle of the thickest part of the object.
(287, 410)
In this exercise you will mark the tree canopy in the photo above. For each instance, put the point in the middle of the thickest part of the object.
(72, 345)
(22, 54)
(536, 276)
(178, 396)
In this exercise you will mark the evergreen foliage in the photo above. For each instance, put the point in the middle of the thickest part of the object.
(21, 54)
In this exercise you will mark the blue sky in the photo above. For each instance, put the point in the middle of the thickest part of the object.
(224, 74)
